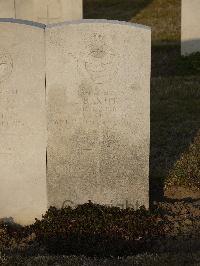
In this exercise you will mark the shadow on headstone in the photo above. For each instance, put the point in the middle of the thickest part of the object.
(190, 46)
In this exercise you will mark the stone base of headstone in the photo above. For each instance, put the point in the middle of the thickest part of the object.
(190, 33)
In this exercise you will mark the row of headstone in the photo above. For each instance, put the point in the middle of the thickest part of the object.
(74, 115)
(190, 33)
(54, 11)
(42, 11)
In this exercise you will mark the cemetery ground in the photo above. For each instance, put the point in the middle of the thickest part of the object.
(169, 233)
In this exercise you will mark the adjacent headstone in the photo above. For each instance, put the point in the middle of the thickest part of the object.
(22, 122)
(49, 11)
(7, 9)
(98, 97)
(97, 76)
(190, 37)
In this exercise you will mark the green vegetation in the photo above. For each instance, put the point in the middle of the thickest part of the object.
(96, 230)
(90, 229)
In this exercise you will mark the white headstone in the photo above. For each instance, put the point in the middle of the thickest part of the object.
(7, 9)
(22, 122)
(49, 11)
(98, 96)
(190, 36)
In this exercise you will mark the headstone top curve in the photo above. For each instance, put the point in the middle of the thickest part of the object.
(24, 22)
(99, 21)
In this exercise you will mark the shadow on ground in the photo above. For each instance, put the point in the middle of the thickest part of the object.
(175, 120)
(175, 123)
(168, 62)
(113, 9)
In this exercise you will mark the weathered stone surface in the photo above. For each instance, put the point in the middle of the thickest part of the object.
(190, 36)
(7, 9)
(49, 11)
(22, 122)
(98, 96)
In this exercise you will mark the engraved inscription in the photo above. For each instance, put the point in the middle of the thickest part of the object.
(124, 205)
(85, 140)
(6, 65)
(99, 104)
(96, 128)
(100, 60)
(9, 121)
(84, 90)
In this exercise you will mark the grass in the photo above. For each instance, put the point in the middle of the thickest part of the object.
(113, 9)
(190, 258)
(163, 16)
(175, 126)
